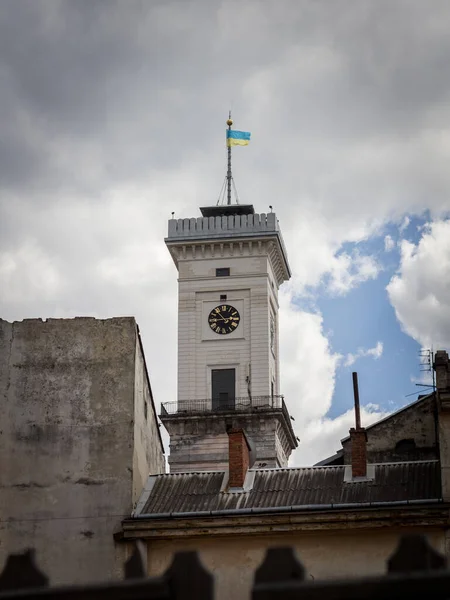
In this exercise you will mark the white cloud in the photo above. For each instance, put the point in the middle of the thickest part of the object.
(308, 369)
(374, 352)
(389, 243)
(348, 271)
(308, 374)
(308, 364)
(321, 437)
(404, 224)
(420, 292)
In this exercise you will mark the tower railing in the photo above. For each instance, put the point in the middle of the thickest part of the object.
(220, 225)
(238, 404)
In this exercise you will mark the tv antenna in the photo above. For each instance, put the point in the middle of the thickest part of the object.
(426, 359)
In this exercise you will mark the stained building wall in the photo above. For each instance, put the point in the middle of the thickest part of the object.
(198, 444)
(409, 434)
(75, 445)
(233, 560)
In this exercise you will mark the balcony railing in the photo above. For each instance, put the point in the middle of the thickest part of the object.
(246, 403)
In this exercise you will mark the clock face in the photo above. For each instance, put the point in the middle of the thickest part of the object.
(224, 319)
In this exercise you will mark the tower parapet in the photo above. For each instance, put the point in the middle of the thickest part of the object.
(221, 225)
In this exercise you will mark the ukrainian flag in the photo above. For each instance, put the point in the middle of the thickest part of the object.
(237, 138)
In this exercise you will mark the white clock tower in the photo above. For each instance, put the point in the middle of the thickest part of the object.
(231, 263)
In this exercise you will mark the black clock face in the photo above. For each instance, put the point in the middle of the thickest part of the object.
(224, 319)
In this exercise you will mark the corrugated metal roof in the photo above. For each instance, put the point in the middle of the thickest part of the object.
(277, 488)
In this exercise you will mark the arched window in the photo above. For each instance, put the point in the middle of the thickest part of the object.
(406, 445)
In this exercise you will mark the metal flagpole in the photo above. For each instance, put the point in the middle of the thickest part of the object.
(229, 176)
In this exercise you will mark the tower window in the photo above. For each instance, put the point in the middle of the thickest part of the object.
(223, 272)
(223, 296)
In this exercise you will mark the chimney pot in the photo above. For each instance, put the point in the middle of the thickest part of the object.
(238, 456)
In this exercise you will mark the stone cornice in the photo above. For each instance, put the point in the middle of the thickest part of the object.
(256, 244)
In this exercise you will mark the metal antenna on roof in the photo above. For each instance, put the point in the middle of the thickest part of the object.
(356, 396)
(426, 360)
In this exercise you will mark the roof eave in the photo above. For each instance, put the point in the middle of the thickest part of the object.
(424, 513)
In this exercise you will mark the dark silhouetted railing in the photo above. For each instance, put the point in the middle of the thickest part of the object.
(415, 571)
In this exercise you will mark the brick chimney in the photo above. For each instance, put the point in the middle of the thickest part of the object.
(358, 438)
(238, 456)
(442, 369)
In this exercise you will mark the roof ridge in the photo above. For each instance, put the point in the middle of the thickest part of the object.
(294, 469)
(187, 473)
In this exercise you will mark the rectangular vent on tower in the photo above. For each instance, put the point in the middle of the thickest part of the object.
(223, 272)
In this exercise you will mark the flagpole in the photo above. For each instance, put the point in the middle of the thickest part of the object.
(229, 176)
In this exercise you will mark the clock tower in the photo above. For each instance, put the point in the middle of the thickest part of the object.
(231, 263)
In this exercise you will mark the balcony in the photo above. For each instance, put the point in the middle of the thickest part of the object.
(208, 406)
(273, 407)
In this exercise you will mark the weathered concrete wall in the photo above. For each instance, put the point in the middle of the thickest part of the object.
(325, 555)
(68, 458)
(408, 435)
(147, 453)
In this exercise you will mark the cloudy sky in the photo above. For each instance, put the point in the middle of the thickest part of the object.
(113, 116)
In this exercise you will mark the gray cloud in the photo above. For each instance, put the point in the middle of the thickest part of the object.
(127, 84)
(112, 115)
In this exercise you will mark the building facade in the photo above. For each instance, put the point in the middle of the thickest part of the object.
(340, 522)
(231, 263)
(78, 438)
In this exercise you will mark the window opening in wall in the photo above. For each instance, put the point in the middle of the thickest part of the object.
(407, 445)
(223, 389)
(223, 272)
(145, 410)
(223, 296)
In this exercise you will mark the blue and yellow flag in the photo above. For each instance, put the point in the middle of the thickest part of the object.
(237, 138)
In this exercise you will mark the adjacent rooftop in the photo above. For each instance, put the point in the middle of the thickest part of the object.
(289, 489)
